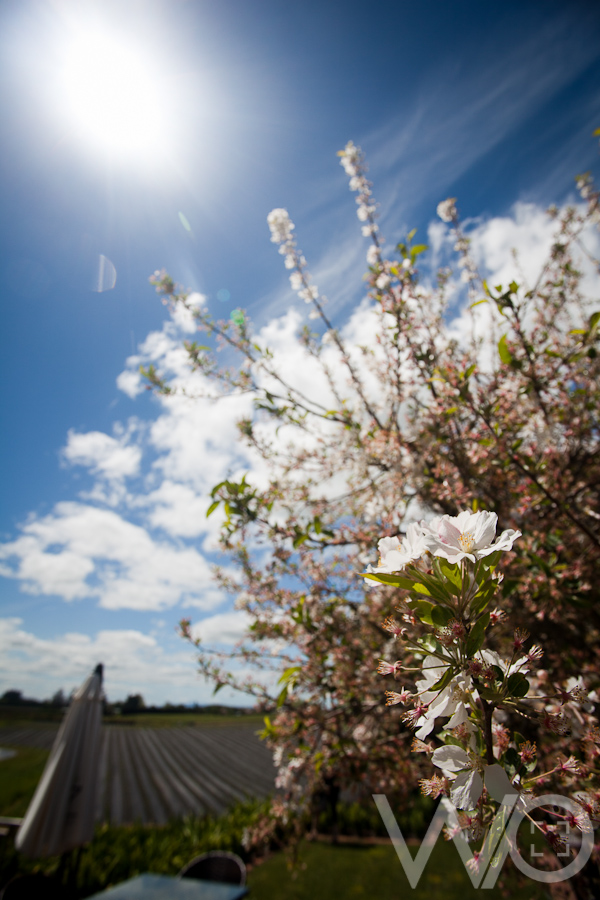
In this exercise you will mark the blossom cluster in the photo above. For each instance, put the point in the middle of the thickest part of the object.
(352, 160)
(470, 535)
(448, 213)
(281, 227)
(471, 686)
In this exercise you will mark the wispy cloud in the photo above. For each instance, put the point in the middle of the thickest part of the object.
(457, 115)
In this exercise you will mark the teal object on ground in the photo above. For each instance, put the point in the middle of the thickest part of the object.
(165, 887)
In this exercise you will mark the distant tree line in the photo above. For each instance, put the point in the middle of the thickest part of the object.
(133, 704)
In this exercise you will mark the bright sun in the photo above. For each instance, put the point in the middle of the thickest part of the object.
(114, 96)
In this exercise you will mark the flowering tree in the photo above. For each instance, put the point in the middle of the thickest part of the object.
(497, 409)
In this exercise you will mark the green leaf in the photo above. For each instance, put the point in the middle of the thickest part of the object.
(505, 354)
(289, 674)
(594, 319)
(417, 249)
(477, 302)
(488, 694)
(421, 589)
(212, 508)
(513, 287)
(444, 681)
(512, 761)
(482, 597)
(518, 685)
(411, 234)
(449, 571)
(422, 609)
(429, 643)
(431, 586)
(396, 580)
(476, 635)
(448, 738)
(492, 559)
(282, 697)
(299, 540)
(440, 616)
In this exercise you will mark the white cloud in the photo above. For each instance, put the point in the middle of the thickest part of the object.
(79, 551)
(177, 509)
(197, 439)
(134, 662)
(108, 457)
(223, 628)
(130, 381)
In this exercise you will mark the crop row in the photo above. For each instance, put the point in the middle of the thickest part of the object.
(151, 775)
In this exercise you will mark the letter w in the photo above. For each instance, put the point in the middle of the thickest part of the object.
(445, 812)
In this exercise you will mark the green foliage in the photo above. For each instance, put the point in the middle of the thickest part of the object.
(119, 853)
(19, 776)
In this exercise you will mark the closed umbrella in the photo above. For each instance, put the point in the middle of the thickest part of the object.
(61, 814)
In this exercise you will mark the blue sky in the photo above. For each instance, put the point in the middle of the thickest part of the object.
(492, 103)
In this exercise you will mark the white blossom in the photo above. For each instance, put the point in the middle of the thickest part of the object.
(446, 210)
(395, 555)
(310, 293)
(467, 536)
(452, 701)
(368, 230)
(280, 224)
(372, 255)
(467, 772)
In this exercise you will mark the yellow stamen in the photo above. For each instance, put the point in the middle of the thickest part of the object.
(467, 541)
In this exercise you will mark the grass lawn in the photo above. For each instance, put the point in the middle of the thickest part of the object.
(18, 779)
(351, 872)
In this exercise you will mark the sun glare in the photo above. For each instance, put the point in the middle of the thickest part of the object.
(114, 96)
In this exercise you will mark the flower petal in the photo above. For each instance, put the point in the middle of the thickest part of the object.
(483, 528)
(498, 783)
(466, 789)
(450, 758)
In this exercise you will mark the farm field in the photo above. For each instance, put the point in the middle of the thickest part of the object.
(153, 774)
